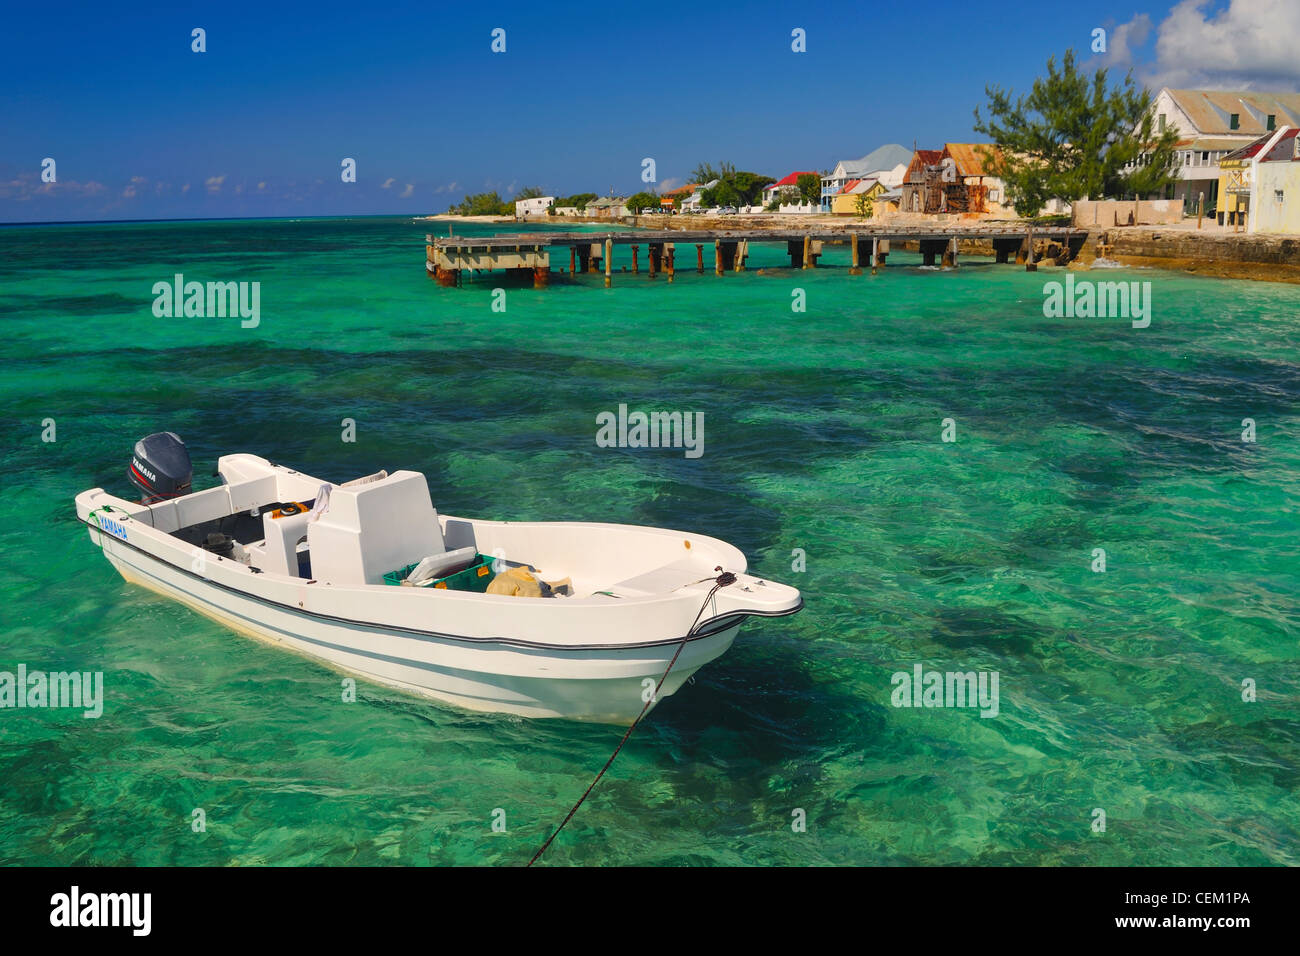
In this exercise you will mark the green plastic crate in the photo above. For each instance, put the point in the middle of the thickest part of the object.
(476, 577)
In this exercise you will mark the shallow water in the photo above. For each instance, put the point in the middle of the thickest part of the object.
(1119, 690)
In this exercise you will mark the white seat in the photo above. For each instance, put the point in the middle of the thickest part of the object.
(373, 528)
(283, 535)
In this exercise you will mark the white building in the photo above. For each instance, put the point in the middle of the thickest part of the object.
(532, 208)
(1213, 123)
(692, 202)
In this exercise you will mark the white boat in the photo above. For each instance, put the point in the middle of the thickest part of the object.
(366, 576)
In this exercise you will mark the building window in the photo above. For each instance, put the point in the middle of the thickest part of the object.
(1277, 194)
(1161, 119)
(1234, 121)
(1272, 121)
(1187, 159)
(1205, 158)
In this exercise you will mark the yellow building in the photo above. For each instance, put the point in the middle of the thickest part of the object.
(1259, 184)
(1235, 173)
(845, 202)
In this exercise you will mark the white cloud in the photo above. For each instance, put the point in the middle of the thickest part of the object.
(261, 186)
(1251, 44)
(406, 193)
(387, 184)
(1121, 41)
(214, 183)
(130, 191)
(28, 186)
(671, 182)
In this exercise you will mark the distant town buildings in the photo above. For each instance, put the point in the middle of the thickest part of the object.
(1238, 156)
(885, 164)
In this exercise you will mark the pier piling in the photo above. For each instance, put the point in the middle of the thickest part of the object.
(950, 254)
(856, 268)
(609, 262)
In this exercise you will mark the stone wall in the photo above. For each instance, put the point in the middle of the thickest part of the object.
(1240, 256)
(1104, 213)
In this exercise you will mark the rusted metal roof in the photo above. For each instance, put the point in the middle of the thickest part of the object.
(970, 158)
(920, 159)
(1210, 110)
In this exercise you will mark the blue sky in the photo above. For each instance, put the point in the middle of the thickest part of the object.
(140, 126)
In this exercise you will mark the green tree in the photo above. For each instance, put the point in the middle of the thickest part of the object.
(706, 173)
(1071, 137)
(577, 200)
(749, 187)
(810, 187)
(723, 194)
(643, 201)
(484, 204)
(530, 192)
(862, 205)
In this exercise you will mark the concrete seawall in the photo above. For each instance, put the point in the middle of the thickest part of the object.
(1227, 255)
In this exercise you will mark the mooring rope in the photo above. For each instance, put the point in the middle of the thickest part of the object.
(721, 581)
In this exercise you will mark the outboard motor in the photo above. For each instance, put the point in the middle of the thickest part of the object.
(161, 467)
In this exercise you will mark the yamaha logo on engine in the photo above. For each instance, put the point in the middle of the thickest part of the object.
(135, 462)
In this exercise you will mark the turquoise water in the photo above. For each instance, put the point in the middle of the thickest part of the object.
(1119, 690)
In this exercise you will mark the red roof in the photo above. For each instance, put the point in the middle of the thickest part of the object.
(792, 179)
(920, 159)
(1290, 155)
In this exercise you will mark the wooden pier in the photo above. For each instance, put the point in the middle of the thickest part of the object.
(447, 257)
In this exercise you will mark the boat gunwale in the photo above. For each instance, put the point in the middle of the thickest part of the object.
(706, 629)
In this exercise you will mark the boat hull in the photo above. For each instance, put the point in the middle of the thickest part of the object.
(605, 685)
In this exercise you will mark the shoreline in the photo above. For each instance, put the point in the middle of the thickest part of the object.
(1213, 252)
